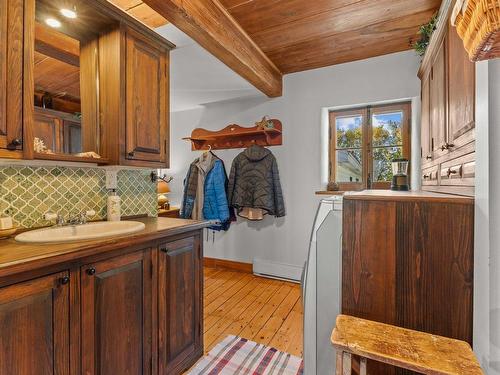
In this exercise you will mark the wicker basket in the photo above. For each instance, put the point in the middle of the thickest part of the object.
(478, 24)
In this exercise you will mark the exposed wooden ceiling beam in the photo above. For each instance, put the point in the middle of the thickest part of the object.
(211, 25)
(141, 11)
(57, 45)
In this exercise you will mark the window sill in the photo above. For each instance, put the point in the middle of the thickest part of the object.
(324, 192)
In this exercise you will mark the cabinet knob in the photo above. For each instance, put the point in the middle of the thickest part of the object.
(428, 157)
(452, 171)
(447, 146)
(425, 176)
(64, 280)
(14, 144)
(91, 271)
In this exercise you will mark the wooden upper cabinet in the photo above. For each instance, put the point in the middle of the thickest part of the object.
(437, 102)
(118, 315)
(111, 70)
(180, 304)
(11, 76)
(34, 325)
(461, 90)
(425, 129)
(448, 110)
(146, 100)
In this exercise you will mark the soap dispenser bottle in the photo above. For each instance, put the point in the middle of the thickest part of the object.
(114, 213)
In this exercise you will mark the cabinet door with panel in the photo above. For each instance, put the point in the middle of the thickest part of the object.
(438, 101)
(34, 326)
(180, 304)
(11, 75)
(118, 313)
(461, 91)
(146, 100)
(425, 122)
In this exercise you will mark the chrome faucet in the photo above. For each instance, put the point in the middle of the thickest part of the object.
(78, 219)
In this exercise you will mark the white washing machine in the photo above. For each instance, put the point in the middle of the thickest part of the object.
(321, 287)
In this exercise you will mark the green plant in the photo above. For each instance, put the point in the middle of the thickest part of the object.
(425, 31)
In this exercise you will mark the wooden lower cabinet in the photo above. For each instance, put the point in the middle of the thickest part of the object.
(34, 326)
(180, 300)
(117, 315)
(409, 262)
(137, 312)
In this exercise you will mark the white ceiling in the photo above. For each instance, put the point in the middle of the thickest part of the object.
(197, 77)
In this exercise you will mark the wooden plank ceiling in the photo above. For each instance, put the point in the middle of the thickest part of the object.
(305, 34)
(299, 35)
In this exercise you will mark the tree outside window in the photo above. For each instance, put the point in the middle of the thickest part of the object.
(364, 141)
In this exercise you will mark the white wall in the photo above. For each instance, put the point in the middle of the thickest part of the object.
(487, 218)
(494, 181)
(481, 219)
(286, 239)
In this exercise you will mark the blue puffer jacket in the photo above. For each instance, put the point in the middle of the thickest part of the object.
(215, 205)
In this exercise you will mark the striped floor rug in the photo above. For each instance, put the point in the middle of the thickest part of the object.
(238, 356)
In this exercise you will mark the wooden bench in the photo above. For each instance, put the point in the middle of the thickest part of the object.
(400, 347)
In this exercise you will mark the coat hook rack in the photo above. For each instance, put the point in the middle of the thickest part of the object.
(267, 132)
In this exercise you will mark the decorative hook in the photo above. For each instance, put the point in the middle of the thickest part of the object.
(155, 177)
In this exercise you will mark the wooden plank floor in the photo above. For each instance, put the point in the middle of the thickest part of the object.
(262, 310)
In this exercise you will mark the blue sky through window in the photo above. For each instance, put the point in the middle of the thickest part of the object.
(384, 118)
(349, 123)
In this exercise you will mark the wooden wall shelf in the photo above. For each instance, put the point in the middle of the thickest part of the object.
(236, 136)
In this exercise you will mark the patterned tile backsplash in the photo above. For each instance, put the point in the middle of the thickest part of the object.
(27, 192)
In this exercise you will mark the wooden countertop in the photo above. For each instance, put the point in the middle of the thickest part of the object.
(16, 257)
(389, 195)
(326, 192)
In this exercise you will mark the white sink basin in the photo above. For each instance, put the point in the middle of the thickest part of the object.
(81, 232)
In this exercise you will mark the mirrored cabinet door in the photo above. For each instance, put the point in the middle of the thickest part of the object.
(66, 78)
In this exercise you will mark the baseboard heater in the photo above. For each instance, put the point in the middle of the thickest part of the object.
(275, 270)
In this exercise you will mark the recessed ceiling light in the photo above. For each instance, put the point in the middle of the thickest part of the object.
(52, 22)
(68, 13)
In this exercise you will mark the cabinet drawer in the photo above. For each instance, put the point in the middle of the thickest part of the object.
(459, 172)
(430, 176)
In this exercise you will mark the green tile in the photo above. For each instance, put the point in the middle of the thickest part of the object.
(26, 193)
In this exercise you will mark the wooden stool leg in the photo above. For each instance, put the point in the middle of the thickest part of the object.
(346, 363)
(338, 364)
(362, 366)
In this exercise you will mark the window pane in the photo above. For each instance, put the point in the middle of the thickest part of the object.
(382, 158)
(348, 166)
(387, 129)
(349, 131)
